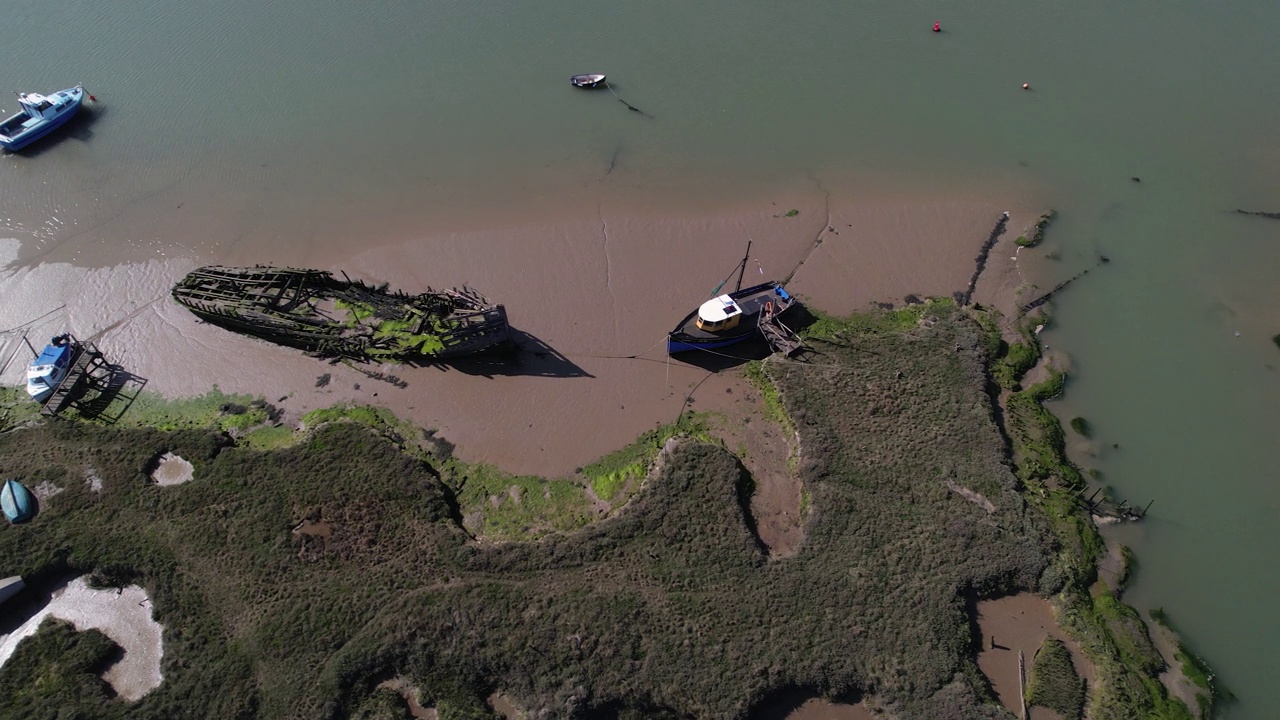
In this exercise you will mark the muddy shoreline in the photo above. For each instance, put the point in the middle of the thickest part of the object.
(586, 288)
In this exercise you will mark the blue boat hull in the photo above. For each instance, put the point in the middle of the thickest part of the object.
(675, 346)
(23, 139)
(16, 502)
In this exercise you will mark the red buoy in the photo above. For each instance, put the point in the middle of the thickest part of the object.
(937, 27)
(93, 99)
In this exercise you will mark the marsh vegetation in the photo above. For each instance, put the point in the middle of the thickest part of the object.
(298, 575)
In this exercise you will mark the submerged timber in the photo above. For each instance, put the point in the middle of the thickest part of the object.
(314, 311)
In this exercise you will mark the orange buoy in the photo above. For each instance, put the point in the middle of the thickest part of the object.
(937, 27)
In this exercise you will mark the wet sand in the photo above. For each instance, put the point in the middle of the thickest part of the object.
(588, 284)
(1019, 623)
(124, 617)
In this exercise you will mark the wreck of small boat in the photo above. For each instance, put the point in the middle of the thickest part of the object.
(343, 318)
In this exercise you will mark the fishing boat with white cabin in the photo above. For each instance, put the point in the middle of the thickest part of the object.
(731, 318)
(39, 115)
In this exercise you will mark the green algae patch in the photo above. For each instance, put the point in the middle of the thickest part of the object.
(269, 438)
(773, 409)
(500, 506)
(1036, 234)
(378, 418)
(17, 409)
(617, 475)
(212, 409)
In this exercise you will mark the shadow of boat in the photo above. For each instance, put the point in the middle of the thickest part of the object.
(525, 355)
(754, 348)
(33, 598)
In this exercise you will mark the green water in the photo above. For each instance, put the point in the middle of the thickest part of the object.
(292, 123)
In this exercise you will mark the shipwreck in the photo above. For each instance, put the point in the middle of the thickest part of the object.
(342, 318)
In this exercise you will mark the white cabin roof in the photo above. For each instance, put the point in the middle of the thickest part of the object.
(718, 308)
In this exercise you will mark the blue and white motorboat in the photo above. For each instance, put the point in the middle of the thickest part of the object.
(39, 115)
(16, 502)
(50, 367)
(729, 319)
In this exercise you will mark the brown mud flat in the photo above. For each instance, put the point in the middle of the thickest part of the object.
(1019, 623)
(587, 287)
(765, 450)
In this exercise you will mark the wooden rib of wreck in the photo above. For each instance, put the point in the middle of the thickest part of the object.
(343, 318)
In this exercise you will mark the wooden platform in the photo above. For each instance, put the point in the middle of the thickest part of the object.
(780, 337)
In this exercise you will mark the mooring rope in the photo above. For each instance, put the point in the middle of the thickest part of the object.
(630, 107)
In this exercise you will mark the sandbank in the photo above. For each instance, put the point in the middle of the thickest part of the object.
(587, 283)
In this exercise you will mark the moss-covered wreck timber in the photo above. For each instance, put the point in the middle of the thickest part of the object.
(314, 311)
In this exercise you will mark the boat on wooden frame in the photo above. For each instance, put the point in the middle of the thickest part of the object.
(730, 318)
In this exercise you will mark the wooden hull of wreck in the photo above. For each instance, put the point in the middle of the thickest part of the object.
(313, 311)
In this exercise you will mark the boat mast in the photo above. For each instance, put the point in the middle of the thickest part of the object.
(743, 268)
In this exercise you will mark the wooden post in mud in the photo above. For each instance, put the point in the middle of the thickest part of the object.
(1022, 684)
